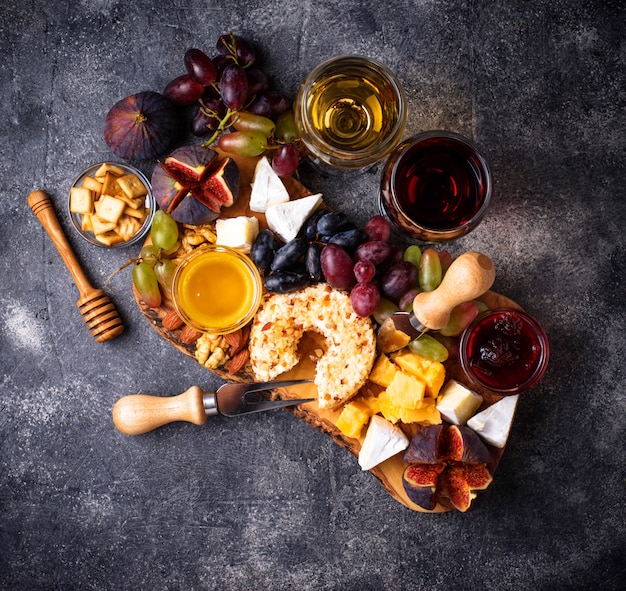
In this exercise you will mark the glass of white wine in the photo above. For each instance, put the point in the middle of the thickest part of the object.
(351, 111)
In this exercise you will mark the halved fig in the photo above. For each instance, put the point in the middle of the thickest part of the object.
(193, 184)
(446, 461)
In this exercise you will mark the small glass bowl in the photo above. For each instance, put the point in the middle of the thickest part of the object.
(330, 133)
(217, 289)
(150, 204)
(516, 348)
(435, 187)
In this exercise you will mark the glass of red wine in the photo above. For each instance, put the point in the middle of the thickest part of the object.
(435, 186)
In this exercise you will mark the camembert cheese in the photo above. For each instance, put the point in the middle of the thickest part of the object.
(286, 219)
(382, 440)
(494, 423)
(267, 188)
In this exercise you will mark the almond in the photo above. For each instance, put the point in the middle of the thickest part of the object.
(189, 335)
(238, 361)
(172, 321)
(234, 340)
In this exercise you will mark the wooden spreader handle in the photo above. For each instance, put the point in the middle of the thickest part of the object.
(97, 310)
(469, 276)
(139, 413)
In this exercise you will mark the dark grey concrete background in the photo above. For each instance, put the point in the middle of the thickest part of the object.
(267, 502)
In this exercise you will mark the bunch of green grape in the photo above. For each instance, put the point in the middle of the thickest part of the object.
(233, 103)
(153, 271)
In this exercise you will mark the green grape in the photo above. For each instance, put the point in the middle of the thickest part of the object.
(164, 231)
(243, 143)
(250, 122)
(286, 128)
(145, 282)
(429, 347)
(460, 318)
(430, 273)
(413, 254)
(384, 309)
(150, 254)
(164, 271)
(482, 307)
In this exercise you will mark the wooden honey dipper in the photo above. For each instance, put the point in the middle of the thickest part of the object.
(97, 309)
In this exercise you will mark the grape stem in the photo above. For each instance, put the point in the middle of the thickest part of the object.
(223, 125)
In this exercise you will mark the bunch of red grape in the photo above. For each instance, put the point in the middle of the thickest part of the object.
(230, 93)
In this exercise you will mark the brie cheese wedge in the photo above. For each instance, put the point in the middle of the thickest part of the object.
(457, 404)
(382, 440)
(286, 219)
(267, 188)
(239, 232)
(494, 423)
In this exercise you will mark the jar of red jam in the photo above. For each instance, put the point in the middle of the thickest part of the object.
(504, 350)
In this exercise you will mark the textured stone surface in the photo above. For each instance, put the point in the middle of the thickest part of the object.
(266, 502)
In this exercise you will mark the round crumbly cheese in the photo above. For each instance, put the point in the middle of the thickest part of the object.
(351, 343)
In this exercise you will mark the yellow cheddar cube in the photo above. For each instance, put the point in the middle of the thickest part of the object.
(81, 200)
(354, 416)
(432, 373)
(383, 371)
(372, 403)
(406, 390)
(109, 209)
(427, 415)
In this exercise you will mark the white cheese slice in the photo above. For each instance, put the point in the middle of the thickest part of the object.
(239, 232)
(457, 403)
(494, 423)
(286, 219)
(267, 188)
(382, 440)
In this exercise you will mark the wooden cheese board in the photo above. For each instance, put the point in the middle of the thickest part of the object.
(389, 473)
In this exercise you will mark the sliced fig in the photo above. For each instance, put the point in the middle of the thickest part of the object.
(446, 461)
(460, 481)
(142, 126)
(192, 184)
(423, 449)
(421, 483)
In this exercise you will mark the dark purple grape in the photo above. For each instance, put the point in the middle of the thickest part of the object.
(200, 66)
(312, 260)
(285, 281)
(270, 103)
(308, 231)
(398, 280)
(183, 90)
(263, 249)
(234, 87)
(257, 82)
(407, 298)
(286, 159)
(238, 47)
(288, 255)
(333, 222)
(374, 251)
(207, 117)
(364, 298)
(349, 239)
(337, 266)
(364, 271)
(378, 228)
(220, 62)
